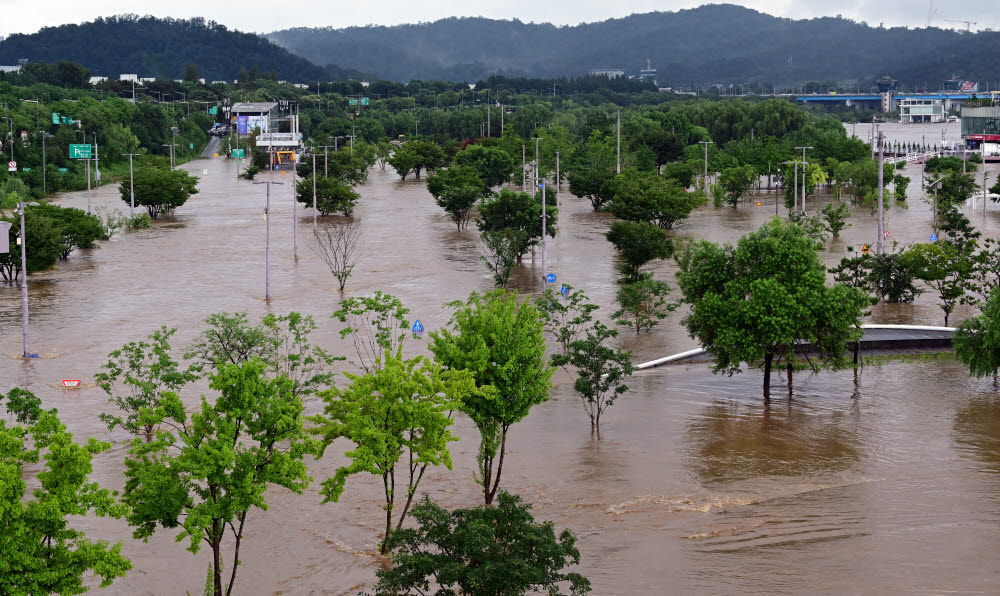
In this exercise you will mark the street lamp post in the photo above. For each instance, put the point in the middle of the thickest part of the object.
(45, 135)
(314, 193)
(524, 184)
(24, 282)
(131, 183)
(936, 184)
(267, 241)
(803, 176)
(706, 144)
(881, 189)
(618, 148)
(545, 271)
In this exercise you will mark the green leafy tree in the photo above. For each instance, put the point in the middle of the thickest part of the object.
(404, 161)
(593, 185)
(492, 165)
(137, 378)
(280, 341)
(956, 189)
(428, 155)
(160, 190)
(642, 303)
(899, 186)
(646, 197)
(457, 190)
(566, 315)
(191, 73)
(638, 243)
(765, 296)
(946, 270)
(43, 240)
(206, 475)
(24, 405)
(376, 324)
(332, 195)
(40, 550)
(977, 340)
(835, 216)
(736, 182)
(75, 227)
(485, 551)
(502, 249)
(502, 343)
(519, 211)
(600, 371)
(399, 411)
(666, 146)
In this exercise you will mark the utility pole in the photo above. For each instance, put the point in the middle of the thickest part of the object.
(267, 241)
(545, 270)
(489, 111)
(314, 195)
(45, 135)
(706, 144)
(24, 282)
(131, 182)
(524, 187)
(881, 189)
(803, 177)
(88, 171)
(984, 186)
(352, 139)
(618, 153)
(295, 208)
(558, 181)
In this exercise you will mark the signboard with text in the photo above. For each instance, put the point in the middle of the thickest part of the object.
(79, 151)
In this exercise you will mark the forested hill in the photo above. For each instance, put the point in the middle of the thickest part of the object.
(152, 47)
(708, 44)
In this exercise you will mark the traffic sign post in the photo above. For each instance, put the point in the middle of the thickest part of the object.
(71, 383)
(11, 166)
(933, 237)
(418, 329)
(551, 277)
(79, 151)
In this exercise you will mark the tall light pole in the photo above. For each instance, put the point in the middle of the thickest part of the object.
(314, 194)
(24, 281)
(524, 172)
(267, 241)
(985, 171)
(558, 181)
(803, 177)
(88, 171)
(881, 189)
(295, 208)
(131, 182)
(936, 184)
(706, 144)
(45, 135)
(545, 270)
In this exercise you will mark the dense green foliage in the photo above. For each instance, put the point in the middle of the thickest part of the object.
(150, 46)
(160, 190)
(40, 551)
(977, 339)
(484, 551)
(708, 44)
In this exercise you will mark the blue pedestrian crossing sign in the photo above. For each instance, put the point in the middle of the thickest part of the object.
(550, 277)
(417, 327)
(564, 290)
(933, 237)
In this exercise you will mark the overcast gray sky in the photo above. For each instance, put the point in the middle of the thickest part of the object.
(27, 16)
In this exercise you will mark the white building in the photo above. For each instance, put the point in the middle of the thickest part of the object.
(921, 110)
(96, 80)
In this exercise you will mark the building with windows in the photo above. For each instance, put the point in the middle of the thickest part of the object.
(981, 126)
(921, 110)
(611, 73)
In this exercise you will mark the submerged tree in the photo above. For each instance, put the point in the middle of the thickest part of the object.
(40, 550)
(483, 551)
(398, 411)
(502, 343)
(765, 297)
(340, 248)
(205, 475)
(601, 370)
(977, 340)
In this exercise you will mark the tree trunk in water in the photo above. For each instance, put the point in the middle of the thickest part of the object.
(857, 353)
(767, 374)
(788, 368)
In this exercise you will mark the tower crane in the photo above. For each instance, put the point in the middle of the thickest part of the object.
(968, 24)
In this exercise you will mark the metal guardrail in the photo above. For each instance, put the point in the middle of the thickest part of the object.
(699, 351)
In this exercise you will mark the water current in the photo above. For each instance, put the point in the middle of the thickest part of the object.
(887, 481)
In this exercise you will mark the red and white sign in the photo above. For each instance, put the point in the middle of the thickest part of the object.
(11, 166)
(71, 382)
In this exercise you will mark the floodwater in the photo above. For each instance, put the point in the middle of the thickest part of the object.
(883, 482)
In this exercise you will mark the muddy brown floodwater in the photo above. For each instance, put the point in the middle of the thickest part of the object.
(888, 482)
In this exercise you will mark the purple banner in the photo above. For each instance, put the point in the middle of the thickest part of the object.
(241, 124)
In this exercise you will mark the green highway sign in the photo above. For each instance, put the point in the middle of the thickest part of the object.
(352, 102)
(25, 169)
(190, 145)
(364, 101)
(57, 119)
(63, 170)
(238, 153)
(79, 151)
(213, 110)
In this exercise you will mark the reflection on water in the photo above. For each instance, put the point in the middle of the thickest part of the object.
(849, 486)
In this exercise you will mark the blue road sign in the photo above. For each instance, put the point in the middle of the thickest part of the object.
(933, 237)
(541, 185)
(417, 327)
(564, 289)
(550, 277)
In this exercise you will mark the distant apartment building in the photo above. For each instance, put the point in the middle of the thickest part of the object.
(96, 80)
(611, 73)
(921, 110)
(981, 125)
(128, 77)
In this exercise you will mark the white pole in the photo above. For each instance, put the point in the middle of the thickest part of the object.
(295, 209)
(878, 240)
(618, 155)
(544, 222)
(24, 285)
(314, 194)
